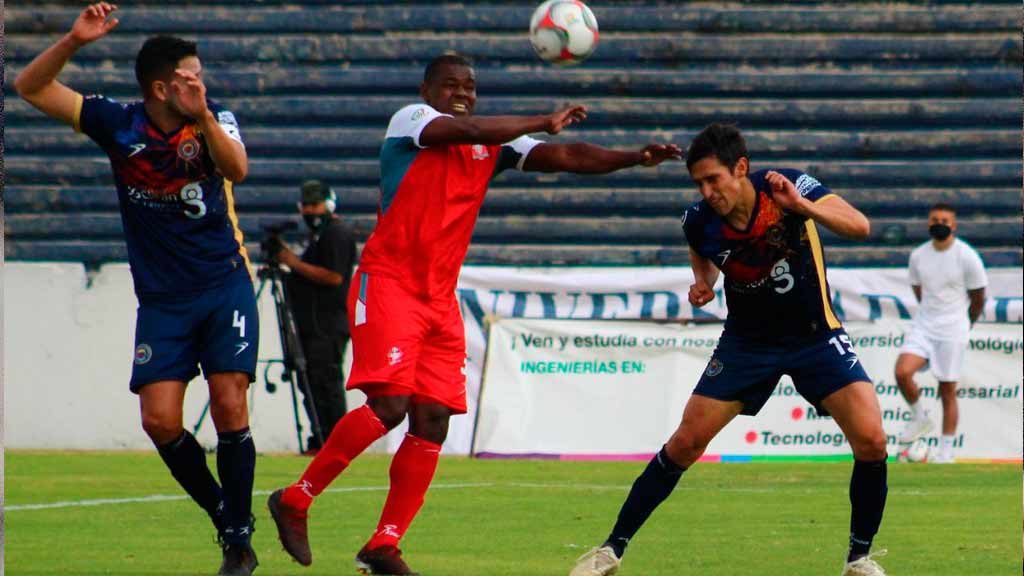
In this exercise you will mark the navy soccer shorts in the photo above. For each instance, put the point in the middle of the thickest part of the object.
(217, 329)
(748, 370)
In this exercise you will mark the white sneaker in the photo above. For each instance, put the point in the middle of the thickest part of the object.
(915, 429)
(940, 457)
(865, 566)
(598, 562)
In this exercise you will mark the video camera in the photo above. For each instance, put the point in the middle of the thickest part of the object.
(272, 243)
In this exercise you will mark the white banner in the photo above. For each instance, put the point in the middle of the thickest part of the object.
(70, 359)
(659, 293)
(616, 389)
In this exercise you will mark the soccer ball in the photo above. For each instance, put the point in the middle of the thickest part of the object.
(563, 31)
(916, 452)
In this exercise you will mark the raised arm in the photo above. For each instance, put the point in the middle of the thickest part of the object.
(831, 211)
(583, 158)
(228, 154)
(38, 84)
(496, 129)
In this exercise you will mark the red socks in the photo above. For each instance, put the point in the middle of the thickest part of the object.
(350, 436)
(412, 470)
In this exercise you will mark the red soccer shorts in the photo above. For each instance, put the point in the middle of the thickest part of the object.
(406, 346)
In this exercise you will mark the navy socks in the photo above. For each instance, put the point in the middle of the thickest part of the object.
(236, 465)
(868, 489)
(649, 490)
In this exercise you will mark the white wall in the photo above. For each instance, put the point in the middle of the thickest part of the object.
(68, 344)
(69, 351)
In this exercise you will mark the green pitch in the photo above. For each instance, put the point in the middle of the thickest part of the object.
(520, 518)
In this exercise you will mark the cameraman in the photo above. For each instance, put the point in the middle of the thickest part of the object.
(317, 287)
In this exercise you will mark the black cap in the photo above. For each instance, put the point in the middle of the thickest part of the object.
(314, 192)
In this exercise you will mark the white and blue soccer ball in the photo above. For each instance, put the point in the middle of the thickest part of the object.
(917, 452)
(563, 32)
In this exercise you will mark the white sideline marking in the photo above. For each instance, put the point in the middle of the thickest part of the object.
(172, 497)
(526, 485)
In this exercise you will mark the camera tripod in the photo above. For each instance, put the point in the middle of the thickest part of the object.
(293, 360)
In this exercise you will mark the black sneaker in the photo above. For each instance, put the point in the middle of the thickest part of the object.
(292, 528)
(382, 561)
(239, 560)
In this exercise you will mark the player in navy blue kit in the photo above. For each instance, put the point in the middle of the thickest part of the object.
(174, 157)
(759, 229)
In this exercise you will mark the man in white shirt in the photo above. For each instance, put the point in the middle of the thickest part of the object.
(948, 279)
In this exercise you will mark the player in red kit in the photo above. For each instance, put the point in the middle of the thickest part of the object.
(409, 348)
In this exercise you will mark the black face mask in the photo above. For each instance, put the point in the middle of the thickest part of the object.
(316, 222)
(939, 231)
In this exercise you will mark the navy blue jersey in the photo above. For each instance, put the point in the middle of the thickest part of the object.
(775, 285)
(178, 213)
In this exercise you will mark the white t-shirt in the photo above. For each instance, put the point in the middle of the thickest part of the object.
(944, 278)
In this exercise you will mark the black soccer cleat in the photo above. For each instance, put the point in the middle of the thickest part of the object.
(239, 560)
(382, 561)
(292, 528)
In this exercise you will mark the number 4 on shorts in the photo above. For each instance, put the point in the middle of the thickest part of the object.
(239, 322)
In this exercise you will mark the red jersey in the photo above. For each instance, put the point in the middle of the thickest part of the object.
(430, 198)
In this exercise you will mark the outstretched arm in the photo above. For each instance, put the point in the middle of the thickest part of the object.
(583, 158)
(38, 84)
(496, 129)
(832, 212)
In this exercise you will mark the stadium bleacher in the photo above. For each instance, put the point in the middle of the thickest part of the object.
(895, 106)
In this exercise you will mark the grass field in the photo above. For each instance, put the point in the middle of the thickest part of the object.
(519, 518)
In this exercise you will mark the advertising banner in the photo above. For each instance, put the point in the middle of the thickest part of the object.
(616, 389)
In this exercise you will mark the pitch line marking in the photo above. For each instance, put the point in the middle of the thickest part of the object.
(453, 486)
(173, 497)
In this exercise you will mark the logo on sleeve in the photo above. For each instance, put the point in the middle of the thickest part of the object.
(804, 184)
(419, 113)
(226, 117)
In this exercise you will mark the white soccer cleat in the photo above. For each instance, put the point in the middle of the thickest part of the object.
(598, 562)
(865, 566)
(916, 429)
(938, 457)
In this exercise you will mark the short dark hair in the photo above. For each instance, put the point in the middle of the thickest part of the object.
(159, 57)
(444, 60)
(942, 206)
(722, 141)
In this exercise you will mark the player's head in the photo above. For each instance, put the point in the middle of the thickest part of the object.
(718, 164)
(156, 62)
(941, 221)
(449, 85)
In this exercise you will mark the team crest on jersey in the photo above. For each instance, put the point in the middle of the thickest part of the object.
(394, 355)
(480, 152)
(143, 354)
(189, 149)
(715, 367)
